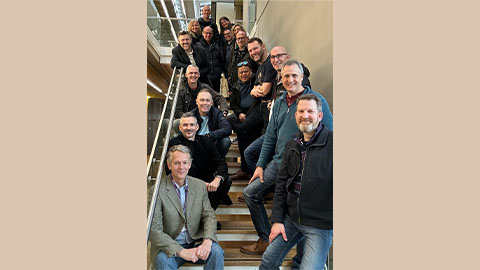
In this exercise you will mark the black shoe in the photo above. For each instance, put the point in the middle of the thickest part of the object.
(219, 226)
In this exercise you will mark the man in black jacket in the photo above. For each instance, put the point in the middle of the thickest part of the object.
(205, 20)
(212, 123)
(207, 163)
(187, 54)
(303, 202)
(247, 119)
(214, 57)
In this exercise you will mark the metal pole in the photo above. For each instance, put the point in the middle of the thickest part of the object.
(153, 203)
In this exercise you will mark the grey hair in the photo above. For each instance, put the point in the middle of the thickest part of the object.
(179, 148)
(189, 114)
(292, 62)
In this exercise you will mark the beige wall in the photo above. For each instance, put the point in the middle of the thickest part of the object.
(306, 31)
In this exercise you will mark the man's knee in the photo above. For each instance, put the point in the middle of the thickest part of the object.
(164, 262)
(216, 250)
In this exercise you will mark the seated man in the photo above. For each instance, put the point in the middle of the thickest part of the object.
(187, 54)
(247, 120)
(208, 165)
(187, 95)
(303, 202)
(212, 122)
(183, 219)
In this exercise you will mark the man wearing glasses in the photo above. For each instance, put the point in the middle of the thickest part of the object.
(246, 121)
(239, 54)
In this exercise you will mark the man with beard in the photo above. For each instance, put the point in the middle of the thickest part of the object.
(208, 165)
(187, 54)
(303, 202)
(281, 129)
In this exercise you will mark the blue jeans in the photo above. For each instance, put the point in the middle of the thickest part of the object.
(213, 262)
(252, 153)
(315, 250)
(223, 144)
(253, 194)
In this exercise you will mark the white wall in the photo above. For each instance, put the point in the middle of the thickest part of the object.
(305, 29)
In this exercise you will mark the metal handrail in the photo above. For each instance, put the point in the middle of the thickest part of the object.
(152, 153)
(153, 202)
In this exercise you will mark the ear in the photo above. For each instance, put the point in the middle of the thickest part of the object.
(320, 116)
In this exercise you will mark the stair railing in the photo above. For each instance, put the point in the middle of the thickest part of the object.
(153, 202)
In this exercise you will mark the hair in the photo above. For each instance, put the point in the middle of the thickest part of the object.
(239, 25)
(292, 62)
(192, 66)
(182, 33)
(226, 19)
(179, 148)
(190, 25)
(206, 28)
(311, 97)
(241, 31)
(253, 39)
(205, 90)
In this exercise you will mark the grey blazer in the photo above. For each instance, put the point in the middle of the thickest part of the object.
(168, 218)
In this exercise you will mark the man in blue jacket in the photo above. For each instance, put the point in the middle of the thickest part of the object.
(303, 202)
(212, 122)
(281, 129)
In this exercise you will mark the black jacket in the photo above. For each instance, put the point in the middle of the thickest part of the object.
(186, 100)
(180, 59)
(314, 206)
(213, 25)
(235, 98)
(214, 58)
(217, 123)
(207, 161)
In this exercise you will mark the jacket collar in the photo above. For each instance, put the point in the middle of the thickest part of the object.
(319, 139)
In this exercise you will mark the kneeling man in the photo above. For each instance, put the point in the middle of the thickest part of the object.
(303, 202)
(184, 224)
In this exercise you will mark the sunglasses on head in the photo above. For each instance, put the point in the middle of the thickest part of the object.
(244, 63)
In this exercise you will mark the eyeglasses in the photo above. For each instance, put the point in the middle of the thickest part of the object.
(278, 55)
(244, 63)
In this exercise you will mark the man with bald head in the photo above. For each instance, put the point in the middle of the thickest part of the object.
(214, 57)
(239, 55)
(205, 20)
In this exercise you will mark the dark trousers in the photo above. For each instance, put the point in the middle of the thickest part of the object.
(247, 132)
(222, 191)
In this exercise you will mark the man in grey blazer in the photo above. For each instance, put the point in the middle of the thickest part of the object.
(183, 218)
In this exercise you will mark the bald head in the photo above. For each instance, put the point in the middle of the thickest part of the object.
(278, 57)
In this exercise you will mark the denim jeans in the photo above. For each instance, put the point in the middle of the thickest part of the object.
(252, 153)
(253, 194)
(213, 262)
(315, 250)
(223, 144)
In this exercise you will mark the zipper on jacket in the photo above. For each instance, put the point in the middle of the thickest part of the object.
(301, 181)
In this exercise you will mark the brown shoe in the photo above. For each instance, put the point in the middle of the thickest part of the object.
(241, 175)
(257, 248)
(241, 198)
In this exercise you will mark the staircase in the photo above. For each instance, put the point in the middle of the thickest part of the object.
(237, 227)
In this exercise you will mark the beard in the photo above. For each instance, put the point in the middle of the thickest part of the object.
(307, 128)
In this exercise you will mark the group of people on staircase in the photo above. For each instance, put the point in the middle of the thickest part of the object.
(285, 139)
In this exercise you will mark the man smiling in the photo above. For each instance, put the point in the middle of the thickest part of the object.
(281, 128)
(208, 165)
(212, 122)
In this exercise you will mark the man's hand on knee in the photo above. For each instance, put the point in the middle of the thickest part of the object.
(188, 254)
(277, 229)
(204, 249)
(258, 173)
